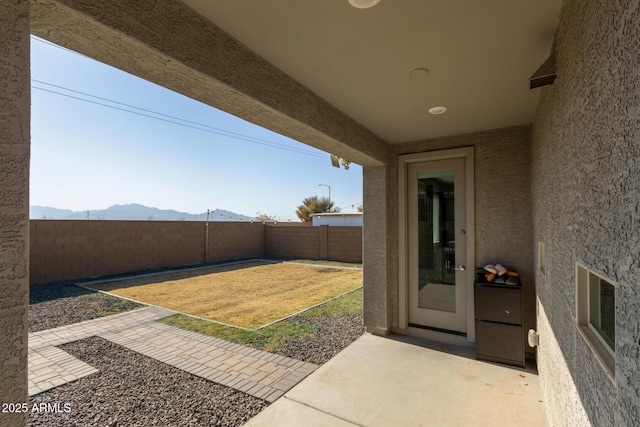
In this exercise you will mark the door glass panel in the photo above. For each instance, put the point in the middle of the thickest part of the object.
(436, 240)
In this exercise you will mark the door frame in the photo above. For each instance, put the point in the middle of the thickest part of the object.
(403, 228)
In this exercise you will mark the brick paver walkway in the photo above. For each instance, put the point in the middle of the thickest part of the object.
(264, 375)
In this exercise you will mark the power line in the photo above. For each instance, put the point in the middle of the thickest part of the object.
(352, 205)
(172, 117)
(197, 126)
(47, 42)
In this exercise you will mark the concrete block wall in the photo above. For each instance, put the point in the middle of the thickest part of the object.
(293, 242)
(344, 244)
(309, 242)
(67, 250)
(63, 250)
(235, 240)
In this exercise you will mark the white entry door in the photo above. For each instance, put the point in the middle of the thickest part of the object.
(438, 279)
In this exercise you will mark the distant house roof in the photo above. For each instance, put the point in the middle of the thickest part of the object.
(353, 219)
(337, 214)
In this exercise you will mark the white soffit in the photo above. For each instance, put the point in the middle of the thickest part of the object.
(479, 56)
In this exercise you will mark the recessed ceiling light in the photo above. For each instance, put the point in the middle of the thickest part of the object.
(419, 73)
(438, 110)
(363, 4)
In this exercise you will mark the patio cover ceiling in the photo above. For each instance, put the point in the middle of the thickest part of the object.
(479, 56)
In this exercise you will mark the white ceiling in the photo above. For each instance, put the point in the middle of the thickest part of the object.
(480, 55)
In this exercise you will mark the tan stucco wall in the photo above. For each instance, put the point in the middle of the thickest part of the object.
(14, 201)
(586, 198)
(377, 229)
(503, 220)
(167, 43)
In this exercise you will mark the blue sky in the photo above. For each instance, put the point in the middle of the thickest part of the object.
(88, 156)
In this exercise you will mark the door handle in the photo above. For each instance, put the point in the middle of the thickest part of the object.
(459, 268)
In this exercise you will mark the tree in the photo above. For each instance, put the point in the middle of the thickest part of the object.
(263, 217)
(360, 208)
(314, 204)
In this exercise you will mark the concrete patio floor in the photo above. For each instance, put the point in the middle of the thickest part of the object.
(400, 381)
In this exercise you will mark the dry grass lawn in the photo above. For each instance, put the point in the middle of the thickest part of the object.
(248, 295)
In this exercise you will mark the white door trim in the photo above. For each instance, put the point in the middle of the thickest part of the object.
(403, 283)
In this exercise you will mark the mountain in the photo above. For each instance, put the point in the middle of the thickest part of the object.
(134, 211)
(43, 212)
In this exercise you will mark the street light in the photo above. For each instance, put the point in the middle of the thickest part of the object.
(329, 187)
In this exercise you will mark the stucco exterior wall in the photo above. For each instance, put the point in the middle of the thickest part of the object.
(377, 263)
(14, 200)
(503, 219)
(586, 198)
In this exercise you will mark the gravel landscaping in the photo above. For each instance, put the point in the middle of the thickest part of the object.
(331, 334)
(54, 305)
(134, 390)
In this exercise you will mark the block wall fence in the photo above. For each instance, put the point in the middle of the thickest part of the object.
(77, 249)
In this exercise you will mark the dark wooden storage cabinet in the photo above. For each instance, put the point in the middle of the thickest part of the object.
(499, 334)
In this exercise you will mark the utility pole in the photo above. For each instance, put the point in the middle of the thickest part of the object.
(206, 238)
(329, 187)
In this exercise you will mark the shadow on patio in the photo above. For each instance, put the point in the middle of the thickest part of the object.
(401, 381)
